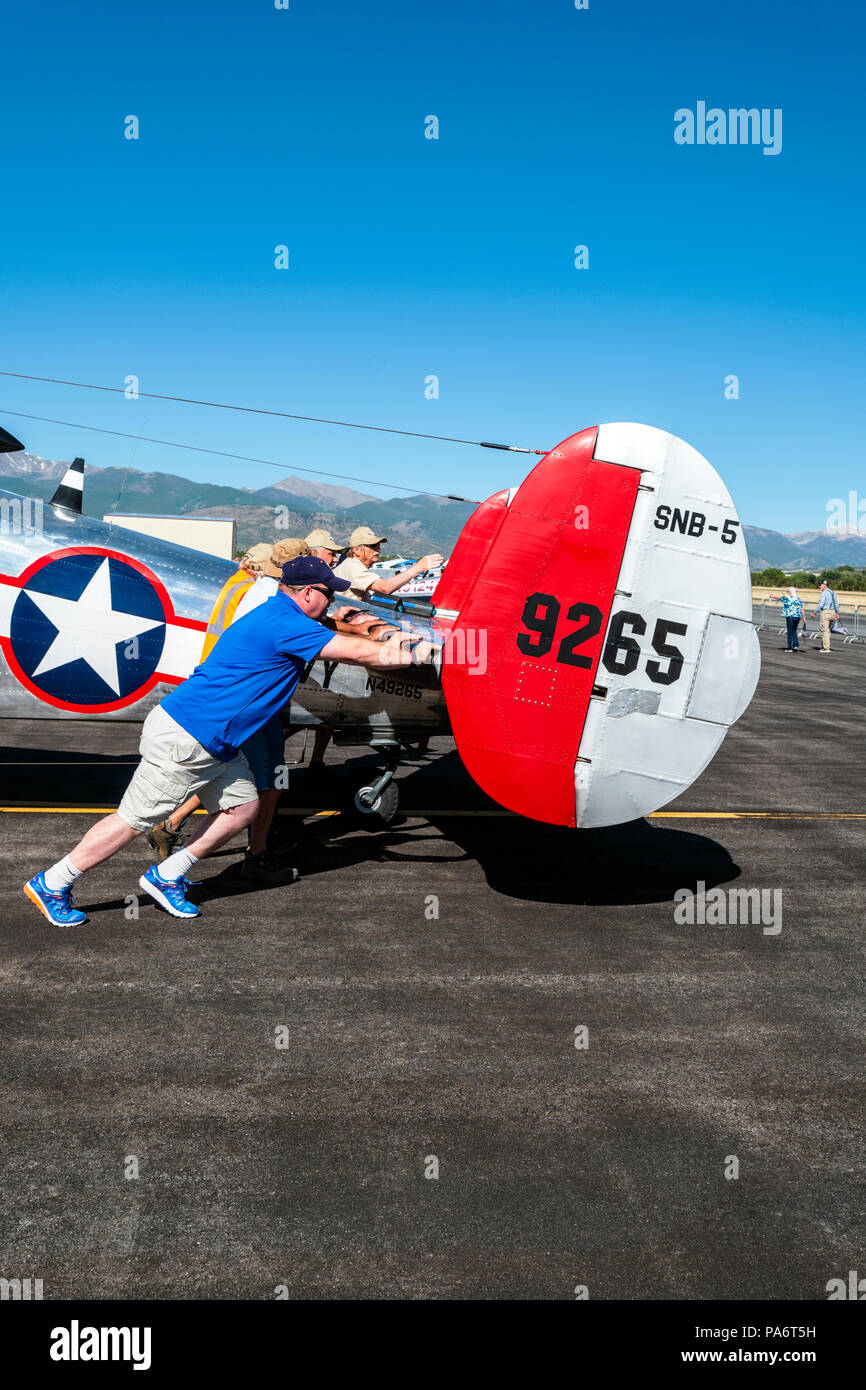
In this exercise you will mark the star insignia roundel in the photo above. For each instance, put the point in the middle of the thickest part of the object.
(87, 630)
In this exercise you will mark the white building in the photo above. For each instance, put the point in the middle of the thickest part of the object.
(214, 535)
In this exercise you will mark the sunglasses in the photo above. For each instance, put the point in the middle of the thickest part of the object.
(329, 593)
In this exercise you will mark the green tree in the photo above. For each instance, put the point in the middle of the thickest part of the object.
(772, 577)
(845, 577)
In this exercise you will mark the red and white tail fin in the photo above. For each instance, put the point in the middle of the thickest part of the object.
(606, 606)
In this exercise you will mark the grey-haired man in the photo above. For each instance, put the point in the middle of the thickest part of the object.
(363, 553)
(828, 612)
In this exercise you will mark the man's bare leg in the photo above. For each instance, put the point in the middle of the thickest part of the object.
(320, 743)
(102, 840)
(50, 889)
(268, 802)
(167, 882)
(217, 829)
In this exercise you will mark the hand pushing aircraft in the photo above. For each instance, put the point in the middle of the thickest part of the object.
(592, 631)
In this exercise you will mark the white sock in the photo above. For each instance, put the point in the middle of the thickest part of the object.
(176, 864)
(61, 875)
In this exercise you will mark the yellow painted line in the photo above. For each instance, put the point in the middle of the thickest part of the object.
(666, 815)
(757, 815)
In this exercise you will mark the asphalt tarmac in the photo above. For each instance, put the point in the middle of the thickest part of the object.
(287, 1073)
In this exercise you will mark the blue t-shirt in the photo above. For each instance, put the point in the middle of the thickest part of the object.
(248, 677)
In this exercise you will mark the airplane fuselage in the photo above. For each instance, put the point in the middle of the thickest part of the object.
(100, 623)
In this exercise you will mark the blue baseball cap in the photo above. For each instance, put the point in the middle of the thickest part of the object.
(309, 569)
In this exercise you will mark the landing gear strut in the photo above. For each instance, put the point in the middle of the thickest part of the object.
(376, 799)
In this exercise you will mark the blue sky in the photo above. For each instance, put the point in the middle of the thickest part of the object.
(453, 257)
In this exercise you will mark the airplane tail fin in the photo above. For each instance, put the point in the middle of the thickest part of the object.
(70, 490)
(8, 443)
(597, 624)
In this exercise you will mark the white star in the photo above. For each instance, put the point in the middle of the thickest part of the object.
(88, 628)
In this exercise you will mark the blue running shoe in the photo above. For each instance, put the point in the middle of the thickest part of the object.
(57, 907)
(169, 893)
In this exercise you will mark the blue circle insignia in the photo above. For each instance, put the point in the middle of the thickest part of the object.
(88, 629)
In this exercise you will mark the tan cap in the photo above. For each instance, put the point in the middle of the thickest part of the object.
(285, 550)
(362, 535)
(323, 539)
(257, 556)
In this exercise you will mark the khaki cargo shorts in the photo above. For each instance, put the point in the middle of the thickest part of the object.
(173, 766)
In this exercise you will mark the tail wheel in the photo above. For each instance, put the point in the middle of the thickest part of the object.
(377, 813)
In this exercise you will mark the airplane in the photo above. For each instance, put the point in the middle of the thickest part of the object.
(388, 568)
(592, 632)
(422, 586)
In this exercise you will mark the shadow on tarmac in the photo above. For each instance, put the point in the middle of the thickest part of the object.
(623, 864)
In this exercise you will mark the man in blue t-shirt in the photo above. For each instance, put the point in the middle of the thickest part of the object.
(191, 741)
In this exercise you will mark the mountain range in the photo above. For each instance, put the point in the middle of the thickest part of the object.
(805, 550)
(413, 524)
